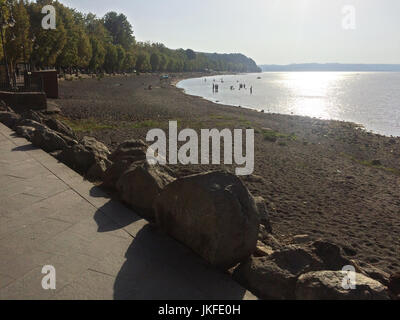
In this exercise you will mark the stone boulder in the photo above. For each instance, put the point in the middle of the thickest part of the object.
(263, 213)
(371, 272)
(213, 214)
(31, 123)
(131, 149)
(81, 157)
(48, 140)
(274, 276)
(60, 127)
(116, 170)
(98, 169)
(332, 255)
(33, 115)
(9, 119)
(328, 285)
(140, 185)
(25, 132)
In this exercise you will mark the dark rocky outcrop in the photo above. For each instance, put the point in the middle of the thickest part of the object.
(213, 214)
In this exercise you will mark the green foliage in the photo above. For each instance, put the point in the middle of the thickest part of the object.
(84, 41)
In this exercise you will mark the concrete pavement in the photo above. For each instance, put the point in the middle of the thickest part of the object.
(99, 248)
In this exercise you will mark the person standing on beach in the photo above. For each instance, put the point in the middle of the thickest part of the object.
(213, 87)
(251, 90)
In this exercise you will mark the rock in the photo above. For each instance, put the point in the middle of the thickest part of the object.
(394, 286)
(134, 149)
(372, 272)
(60, 127)
(263, 250)
(48, 140)
(25, 132)
(263, 213)
(81, 157)
(98, 169)
(9, 119)
(31, 123)
(213, 214)
(331, 255)
(301, 238)
(32, 115)
(140, 185)
(328, 285)
(98, 149)
(275, 276)
(115, 171)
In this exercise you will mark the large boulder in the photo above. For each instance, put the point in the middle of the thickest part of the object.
(98, 169)
(60, 127)
(274, 276)
(328, 285)
(129, 153)
(116, 170)
(331, 254)
(81, 157)
(25, 132)
(132, 149)
(9, 119)
(33, 115)
(48, 140)
(140, 185)
(212, 213)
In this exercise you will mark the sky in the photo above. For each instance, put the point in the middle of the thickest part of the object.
(269, 31)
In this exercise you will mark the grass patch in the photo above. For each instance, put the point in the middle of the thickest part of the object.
(373, 164)
(86, 125)
(273, 136)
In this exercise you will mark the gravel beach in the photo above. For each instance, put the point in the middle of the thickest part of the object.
(326, 179)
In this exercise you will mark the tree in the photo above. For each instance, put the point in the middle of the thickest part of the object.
(190, 54)
(98, 54)
(154, 61)
(111, 58)
(120, 29)
(18, 43)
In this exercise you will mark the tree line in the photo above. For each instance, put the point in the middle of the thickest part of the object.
(106, 44)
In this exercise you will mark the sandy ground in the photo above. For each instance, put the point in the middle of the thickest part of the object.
(319, 177)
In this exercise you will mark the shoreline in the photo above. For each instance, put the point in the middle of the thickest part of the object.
(323, 178)
(357, 125)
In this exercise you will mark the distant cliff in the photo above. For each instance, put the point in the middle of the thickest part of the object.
(235, 62)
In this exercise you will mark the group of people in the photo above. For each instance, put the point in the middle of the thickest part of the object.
(215, 86)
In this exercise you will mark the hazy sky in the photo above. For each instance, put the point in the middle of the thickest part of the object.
(269, 31)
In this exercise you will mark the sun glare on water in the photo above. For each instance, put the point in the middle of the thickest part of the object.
(309, 92)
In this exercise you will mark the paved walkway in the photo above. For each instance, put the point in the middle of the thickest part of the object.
(100, 249)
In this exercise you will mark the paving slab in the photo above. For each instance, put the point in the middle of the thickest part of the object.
(100, 249)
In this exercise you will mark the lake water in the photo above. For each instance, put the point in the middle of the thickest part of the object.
(371, 99)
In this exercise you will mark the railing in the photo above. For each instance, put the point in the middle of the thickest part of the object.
(25, 83)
